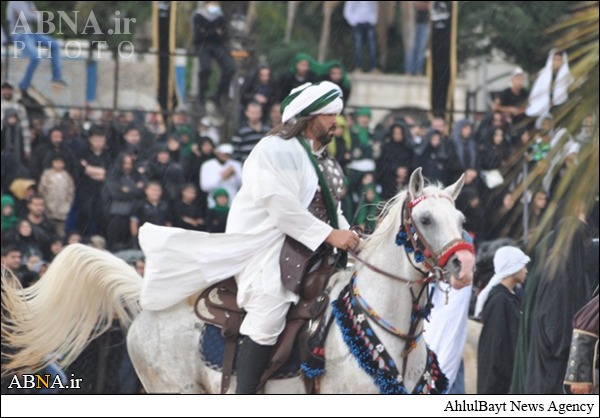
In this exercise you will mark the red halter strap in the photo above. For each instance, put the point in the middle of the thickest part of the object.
(444, 255)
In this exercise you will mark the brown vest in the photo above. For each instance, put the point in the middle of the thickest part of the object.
(296, 260)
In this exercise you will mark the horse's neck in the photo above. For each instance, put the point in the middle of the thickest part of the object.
(390, 298)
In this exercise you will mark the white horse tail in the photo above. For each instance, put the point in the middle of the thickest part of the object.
(76, 300)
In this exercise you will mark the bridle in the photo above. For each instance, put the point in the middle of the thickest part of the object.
(434, 263)
(415, 243)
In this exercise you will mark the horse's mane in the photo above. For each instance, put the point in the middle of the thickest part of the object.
(389, 221)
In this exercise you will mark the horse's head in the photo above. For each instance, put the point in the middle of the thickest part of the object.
(433, 228)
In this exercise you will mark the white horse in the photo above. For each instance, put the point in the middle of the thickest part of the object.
(85, 289)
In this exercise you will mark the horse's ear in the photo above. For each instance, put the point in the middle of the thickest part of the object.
(454, 189)
(416, 184)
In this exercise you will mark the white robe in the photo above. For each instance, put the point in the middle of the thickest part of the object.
(446, 331)
(211, 180)
(279, 182)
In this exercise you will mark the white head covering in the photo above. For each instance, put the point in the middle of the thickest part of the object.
(507, 261)
(225, 149)
(312, 99)
(539, 98)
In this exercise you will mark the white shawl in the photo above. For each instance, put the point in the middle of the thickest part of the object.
(539, 98)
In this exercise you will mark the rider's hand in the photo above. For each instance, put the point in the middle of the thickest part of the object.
(343, 239)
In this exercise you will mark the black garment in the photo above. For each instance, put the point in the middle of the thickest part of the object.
(145, 211)
(206, 53)
(462, 152)
(568, 278)
(216, 220)
(42, 159)
(91, 215)
(43, 234)
(394, 155)
(434, 161)
(181, 210)
(253, 86)
(26, 276)
(121, 191)
(170, 176)
(509, 98)
(493, 156)
(210, 39)
(252, 360)
(497, 341)
(346, 88)
(12, 141)
(474, 216)
(289, 81)
(28, 246)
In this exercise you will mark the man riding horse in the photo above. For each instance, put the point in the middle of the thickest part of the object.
(291, 190)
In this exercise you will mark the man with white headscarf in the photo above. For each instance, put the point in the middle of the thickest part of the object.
(290, 191)
(500, 311)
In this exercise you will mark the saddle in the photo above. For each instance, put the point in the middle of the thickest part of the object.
(217, 305)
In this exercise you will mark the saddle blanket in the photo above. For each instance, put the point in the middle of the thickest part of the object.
(212, 346)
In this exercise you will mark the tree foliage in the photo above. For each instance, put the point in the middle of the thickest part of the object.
(517, 28)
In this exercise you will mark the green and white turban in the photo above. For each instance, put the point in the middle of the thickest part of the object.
(312, 99)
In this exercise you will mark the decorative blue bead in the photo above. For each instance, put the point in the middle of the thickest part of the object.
(409, 249)
(401, 238)
(419, 257)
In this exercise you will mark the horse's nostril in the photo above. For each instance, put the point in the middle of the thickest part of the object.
(456, 263)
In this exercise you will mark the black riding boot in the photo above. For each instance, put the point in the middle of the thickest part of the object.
(252, 360)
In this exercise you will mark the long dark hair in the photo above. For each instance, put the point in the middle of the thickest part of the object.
(291, 128)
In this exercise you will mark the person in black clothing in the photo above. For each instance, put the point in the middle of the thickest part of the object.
(188, 213)
(298, 75)
(216, 217)
(434, 159)
(124, 186)
(12, 136)
(168, 173)
(152, 209)
(43, 155)
(500, 316)
(462, 153)
(11, 260)
(568, 277)
(260, 88)
(43, 228)
(469, 203)
(337, 75)
(513, 100)
(94, 161)
(396, 152)
(210, 40)
(25, 240)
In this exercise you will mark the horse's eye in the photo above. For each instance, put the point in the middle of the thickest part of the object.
(425, 220)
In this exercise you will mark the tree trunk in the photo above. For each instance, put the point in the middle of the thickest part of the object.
(291, 15)
(251, 15)
(328, 7)
(385, 18)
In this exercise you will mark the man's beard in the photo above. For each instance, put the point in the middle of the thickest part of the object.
(325, 136)
(325, 139)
